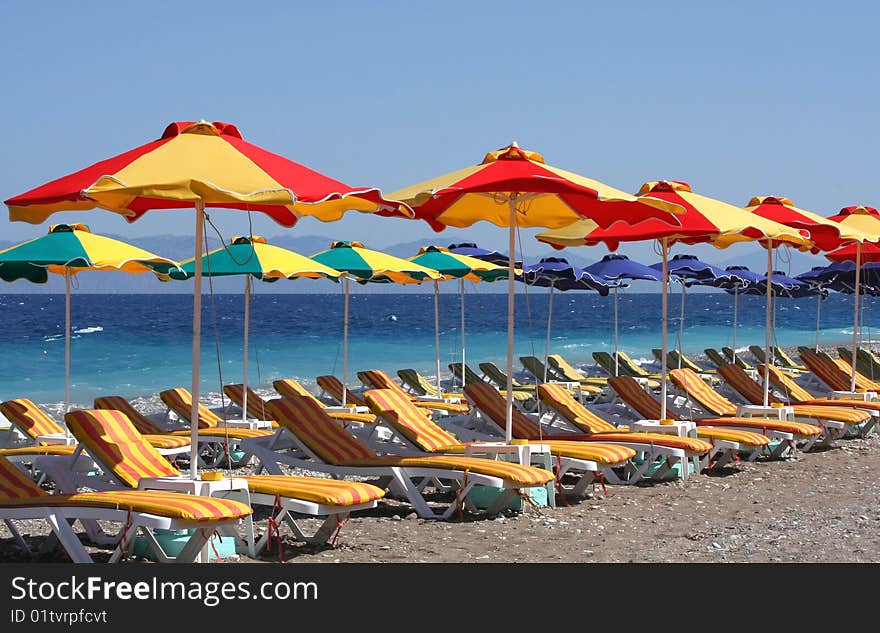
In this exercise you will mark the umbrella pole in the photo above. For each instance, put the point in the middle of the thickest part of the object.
(549, 323)
(681, 325)
(437, 332)
(616, 335)
(855, 350)
(462, 332)
(66, 339)
(664, 242)
(767, 357)
(735, 302)
(345, 345)
(197, 343)
(818, 317)
(508, 430)
(247, 318)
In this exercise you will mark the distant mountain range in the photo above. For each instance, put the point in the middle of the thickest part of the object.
(180, 247)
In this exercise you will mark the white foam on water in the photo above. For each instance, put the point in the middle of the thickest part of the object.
(89, 330)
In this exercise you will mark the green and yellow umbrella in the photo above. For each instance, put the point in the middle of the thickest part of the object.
(67, 250)
(368, 266)
(454, 266)
(253, 256)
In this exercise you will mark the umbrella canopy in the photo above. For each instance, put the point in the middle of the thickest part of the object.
(254, 257)
(368, 266)
(67, 250)
(688, 268)
(470, 249)
(704, 220)
(455, 266)
(198, 165)
(514, 187)
(734, 280)
(860, 218)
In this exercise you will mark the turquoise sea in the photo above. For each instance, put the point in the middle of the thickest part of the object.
(137, 345)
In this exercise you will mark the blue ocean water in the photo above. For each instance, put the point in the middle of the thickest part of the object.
(137, 345)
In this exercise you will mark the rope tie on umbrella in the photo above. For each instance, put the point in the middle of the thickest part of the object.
(216, 344)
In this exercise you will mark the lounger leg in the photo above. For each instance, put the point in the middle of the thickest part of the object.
(68, 539)
(412, 493)
(194, 550)
(17, 536)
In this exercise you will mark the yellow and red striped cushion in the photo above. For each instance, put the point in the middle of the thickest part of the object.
(747, 438)
(410, 421)
(693, 385)
(632, 394)
(828, 372)
(111, 440)
(560, 400)
(256, 406)
(599, 452)
(487, 399)
(801, 429)
(836, 414)
(166, 441)
(782, 381)
(689, 444)
(15, 484)
(180, 401)
(231, 432)
(45, 449)
(516, 474)
(316, 489)
(29, 418)
(140, 421)
(861, 380)
(736, 377)
(288, 387)
(305, 418)
(333, 386)
(378, 379)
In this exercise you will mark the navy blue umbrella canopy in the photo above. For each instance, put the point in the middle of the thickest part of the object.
(690, 270)
(841, 276)
(470, 249)
(784, 286)
(618, 267)
(557, 273)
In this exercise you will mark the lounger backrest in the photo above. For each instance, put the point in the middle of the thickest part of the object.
(179, 400)
(679, 360)
(861, 380)
(758, 352)
(632, 367)
(706, 397)
(713, 355)
(417, 383)
(114, 442)
(256, 406)
(739, 380)
(288, 387)
(141, 422)
(494, 373)
(409, 420)
(29, 418)
(784, 359)
(631, 392)
(332, 385)
(486, 398)
(827, 372)
(606, 362)
(536, 368)
(560, 400)
(378, 379)
(563, 367)
(307, 420)
(739, 358)
(782, 381)
(15, 484)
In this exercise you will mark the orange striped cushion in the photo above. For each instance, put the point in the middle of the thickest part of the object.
(711, 400)
(288, 387)
(747, 438)
(632, 394)
(689, 444)
(140, 421)
(487, 399)
(15, 484)
(224, 432)
(48, 449)
(256, 406)
(365, 418)
(408, 420)
(827, 372)
(450, 407)
(316, 489)
(166, 441)
(516, 474)
(180, 401)
(112, 441)
(599, 452)
(378, 379)
(29, 418)
(836, 414)
(305, 418)
(801, 429)
(845, 402)
(793, 391)
(736, 377)
(333, 386)
(558, 397)
(861, 380)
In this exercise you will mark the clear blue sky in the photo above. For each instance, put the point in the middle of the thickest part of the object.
(739, 99)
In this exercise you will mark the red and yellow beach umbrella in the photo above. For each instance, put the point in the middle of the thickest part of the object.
(515, 187)
(198, 165)
(704, 219)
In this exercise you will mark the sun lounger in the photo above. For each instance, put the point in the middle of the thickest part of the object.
(522, 397)
(624, 368)
(287, 387)
(588, 458)
(726, 412)
(418, 385)
(333, 388)
(498, 377)
(863, 363)
(127, 461)
(572, 374)
(758, 352)
(308, 439)
(39, 428)
(715, 357)
(787, 362)
(835, 421)
(542, 373)
(136, 511)
(378, 379)
(738, 358)
(674, 360)
(735, 440)
(845, 371)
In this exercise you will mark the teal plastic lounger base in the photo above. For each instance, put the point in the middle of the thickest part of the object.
(173, 541)
(484, 496)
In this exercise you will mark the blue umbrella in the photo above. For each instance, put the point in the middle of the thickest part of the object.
(557, 273)
(472, 250)
(689, 271)
(734, 279)
(619, 267)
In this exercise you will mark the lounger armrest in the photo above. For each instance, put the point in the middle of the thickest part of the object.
(351, 408)
(56, 438)
(250, 423)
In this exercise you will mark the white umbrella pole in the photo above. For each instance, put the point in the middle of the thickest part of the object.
(437, 332)
(855, 350)
(665, 300)
(818, 317)
(508, 428)
(681, 325)
(345, 345)
(616, 335)
(197, 343)
(462, 333)
(247, 319)
(735, 305)
(66, 339)
(549, 323)
(767, 357)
